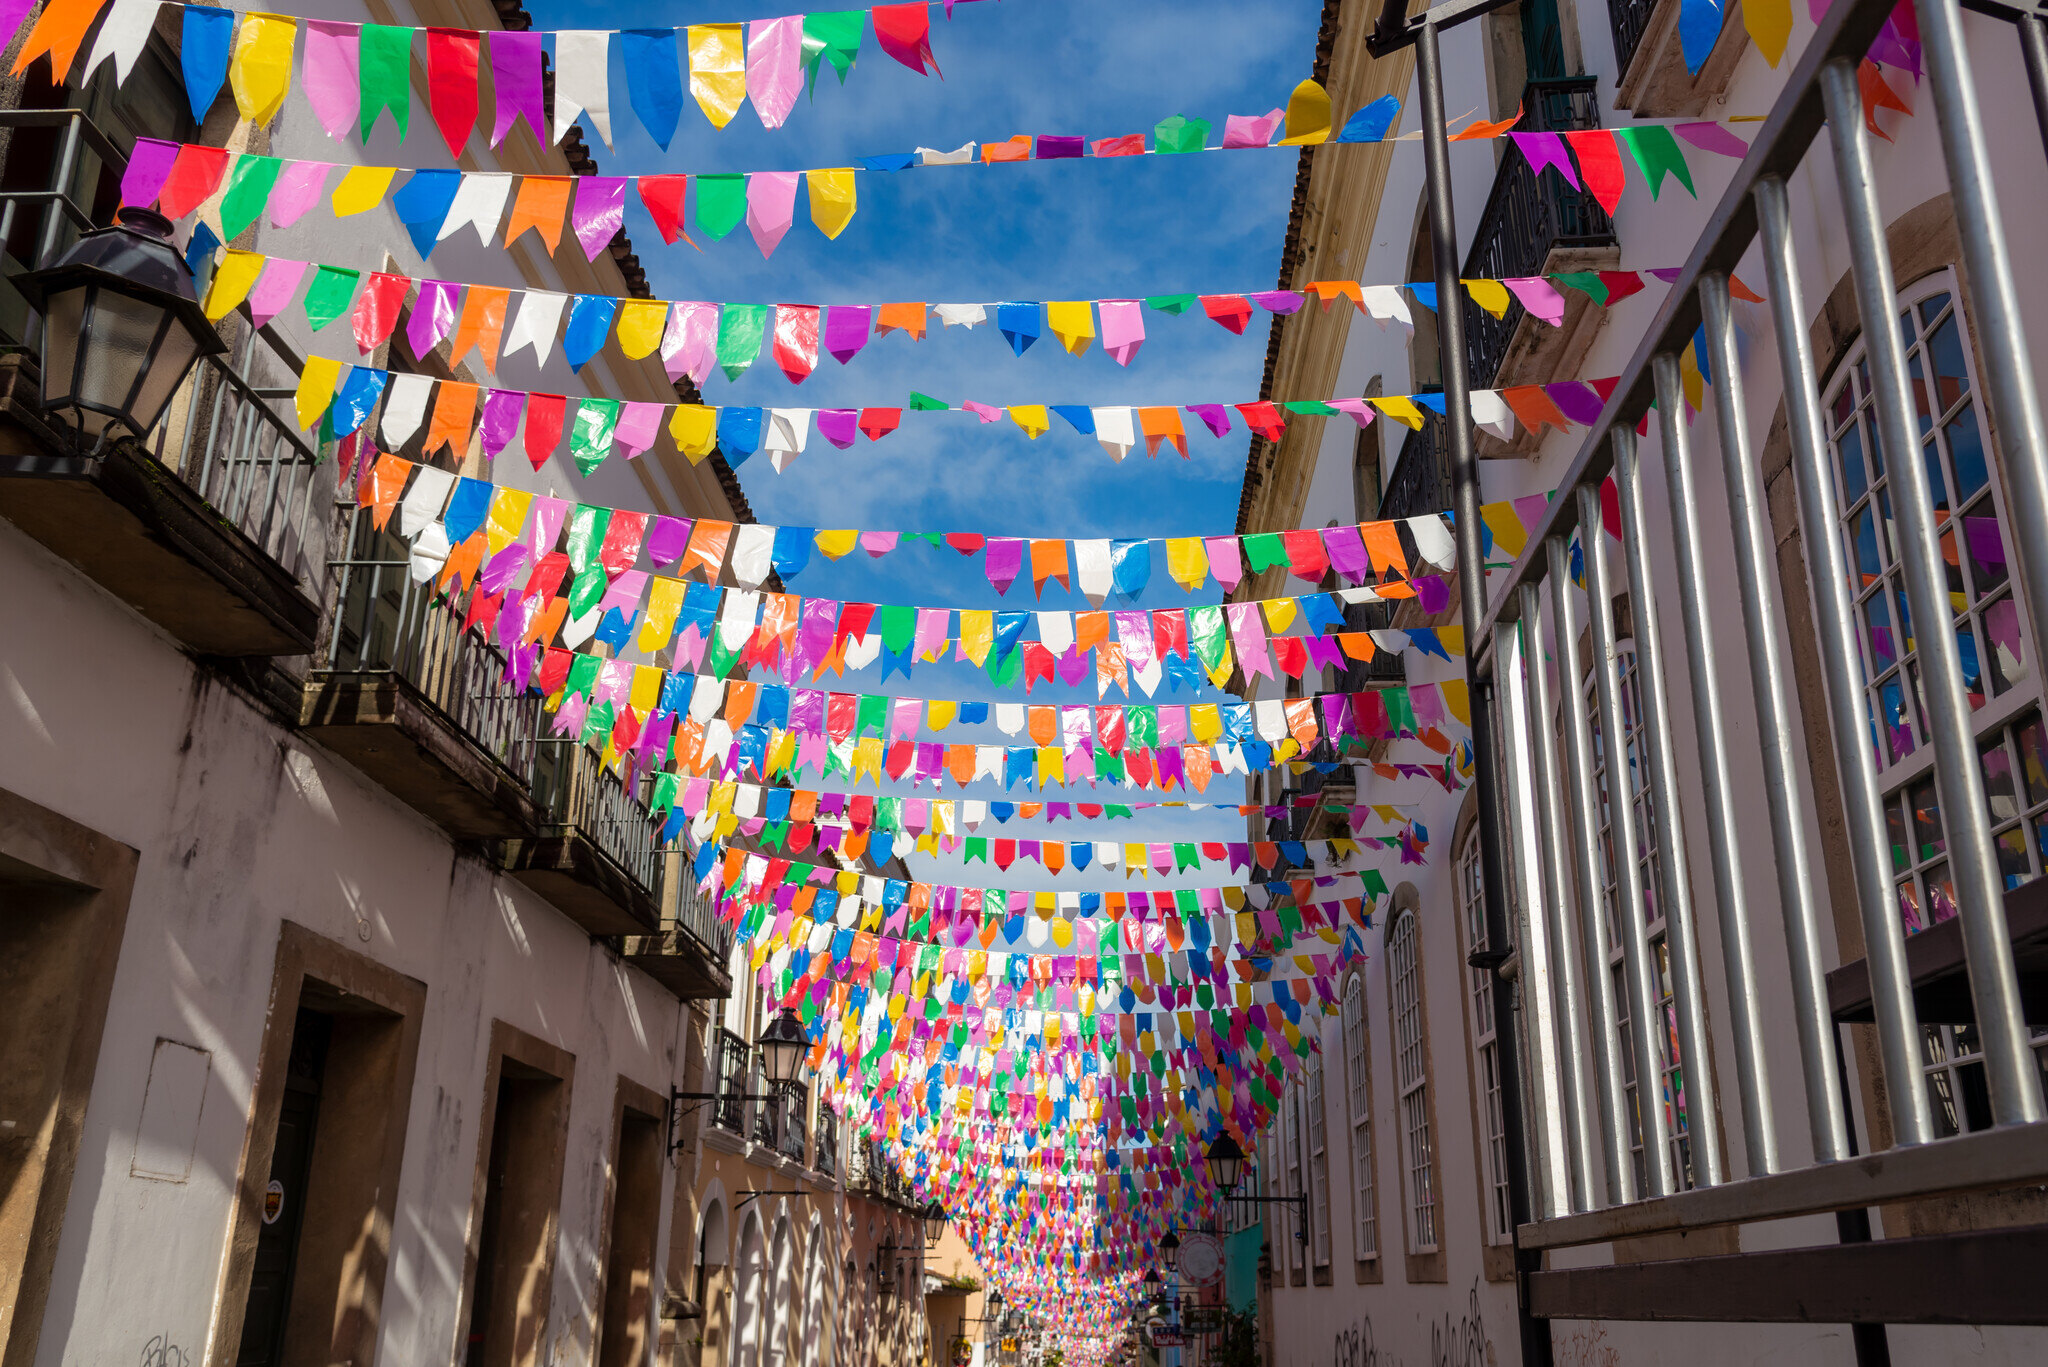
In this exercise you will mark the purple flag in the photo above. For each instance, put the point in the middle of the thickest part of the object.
(599, 213)
(148, 168)
(667, 539)
(502, 408)
(839, 425)
(432, 316)
(846, 329)
(515, 75)
(1547, 149)
(1003, 559)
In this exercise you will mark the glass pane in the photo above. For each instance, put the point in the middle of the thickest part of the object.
(1932, 305)
(1895, 827)
(1865, 552)
(1916, 382)
(2004, 644)
(1941, 894)
(1844, 405)
(1898, 735)
(1884, 650)
(1985, 542)
(1849, 449)
(2000, 790)
(2012, 857)
(1937, 483)
(1952, 571)
(2033, 746)
(1910, 919)
(1928, 840)
(1945, 353)
(1966, 452)
(1973, 674)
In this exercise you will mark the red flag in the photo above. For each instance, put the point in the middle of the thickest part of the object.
(796, 340)
(1599, 164)
(905, 33)
(544, 413)
(663, 196)
(376, 311)
(451, 83)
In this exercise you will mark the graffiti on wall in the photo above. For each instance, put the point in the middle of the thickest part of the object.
(1587, 1346)
(1356, 1348)
(1462, 1342)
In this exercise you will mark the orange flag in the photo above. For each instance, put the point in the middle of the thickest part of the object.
(482, 325)
(453, 409)
(542, 204)
(386, 483)
(59, 32)
(909, 317)
(1048, 561)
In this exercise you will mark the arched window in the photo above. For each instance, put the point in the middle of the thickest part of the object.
(1365, 1232)
(1411, 1074)
(2000, 677)
(1492, 1136)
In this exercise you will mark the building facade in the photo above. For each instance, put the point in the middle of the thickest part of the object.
(1400, 1134)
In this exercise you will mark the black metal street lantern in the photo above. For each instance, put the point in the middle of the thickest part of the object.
(934, 1219)
(1226, 1163)
(122, 327)
(1170, 1245)
(783, 1047)
(1152, 1281)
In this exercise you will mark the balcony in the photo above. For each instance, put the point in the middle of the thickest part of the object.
(213, 526)
(690, 949)
(792, 1106)
(1651, 80)
(868, 1173)
(596, 855)
(418, 703)
(826, 1159)
(735, 1063)
(1535, 225)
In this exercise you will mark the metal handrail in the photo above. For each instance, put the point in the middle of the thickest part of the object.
(734, 1063)
(1535, 611)
(575, 790)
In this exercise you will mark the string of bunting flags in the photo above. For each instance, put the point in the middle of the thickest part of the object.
(355, 74)
(694, 338)
(435, 203)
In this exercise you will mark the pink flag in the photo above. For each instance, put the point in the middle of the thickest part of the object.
(1123, 328)
(298, 189)
(690, 346)
(333, 85)
(1538, 296)
(771, 207)
(775, 68)
(1251, 130)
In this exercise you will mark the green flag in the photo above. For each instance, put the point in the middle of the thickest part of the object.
(721, 203)
(248, 191)
(328, 297)
(1657, 153)
(834, 38)
(591, 439)
(1180, 134)
(384, 59)
(740, 327)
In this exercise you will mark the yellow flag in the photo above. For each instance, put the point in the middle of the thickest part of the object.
(316, 389)
(362, 188)
(1073, 323)
(834, 197)
(1279, 614)
(938, 714)
(640, 326)
(1689, 377)
(1031, 417)
(261, 71)
(646, 692)
(718, 70)
(507, 517)
(1308, 115)
(1401, 410)
(1187, 563)
(1490, 295)
(838, 541)
(1507, 529)
(977, 635)
(1205, 722)
(664, 601)
(232, 282)
(695, 428)
(1769, 23)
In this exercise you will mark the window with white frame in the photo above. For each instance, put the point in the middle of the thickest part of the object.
(1411, 1069)
(1290, 1168)
(1493, 1142)
(1318, 1164)
(1992, 640)
(1365, 1233)
(1643, 817)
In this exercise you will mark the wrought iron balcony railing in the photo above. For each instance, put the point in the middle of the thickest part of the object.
(1527, 217)
(575, 790)
(387, 623)
(734, 1064)
(792, 1103)
(1628, 21)
(826, 1154)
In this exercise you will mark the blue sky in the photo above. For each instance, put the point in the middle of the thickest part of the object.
(1038, 231)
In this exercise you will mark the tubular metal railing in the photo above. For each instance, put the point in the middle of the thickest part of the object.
(386, 622)
(1582, 1123)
